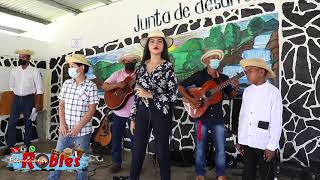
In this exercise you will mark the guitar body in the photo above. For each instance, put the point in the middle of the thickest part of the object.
(103, 136)
(116, 99)
(201, 93)
(209, 94)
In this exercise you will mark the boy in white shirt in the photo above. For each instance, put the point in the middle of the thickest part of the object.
(260, 120)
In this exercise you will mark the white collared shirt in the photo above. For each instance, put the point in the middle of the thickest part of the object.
(25, 81)
(260, 103)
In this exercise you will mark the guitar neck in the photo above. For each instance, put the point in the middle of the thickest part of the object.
(223, 85)
(226, 83)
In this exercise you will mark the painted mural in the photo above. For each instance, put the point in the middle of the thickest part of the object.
(255, 37)
(293, 47)
(298, 22)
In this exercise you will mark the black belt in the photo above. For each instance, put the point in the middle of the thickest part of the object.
(24, 96)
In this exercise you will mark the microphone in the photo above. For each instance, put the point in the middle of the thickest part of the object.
(144, 100)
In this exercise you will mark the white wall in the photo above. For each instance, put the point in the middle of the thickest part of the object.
(111, 22)
(116, 21)
(9, 43)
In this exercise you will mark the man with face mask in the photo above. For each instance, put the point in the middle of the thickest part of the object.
(212, 119)
(26, 84)
(78, 99)
(121, 116)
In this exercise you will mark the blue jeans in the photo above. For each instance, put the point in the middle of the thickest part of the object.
(70, 142)
(218, 139)
(118, 129)
(20, 105)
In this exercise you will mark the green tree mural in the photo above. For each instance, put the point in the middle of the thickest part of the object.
(215, 39)
(232, 39)
(104, 69)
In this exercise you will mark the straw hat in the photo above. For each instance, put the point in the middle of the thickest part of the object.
(24, 52)
(256, 62)
(130, 57)
(209, 53)
(77, 58)
(156, 33)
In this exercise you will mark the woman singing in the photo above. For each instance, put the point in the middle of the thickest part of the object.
(156, 90)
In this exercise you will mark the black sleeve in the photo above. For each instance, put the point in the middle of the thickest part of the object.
(192, 80)
(133, 112)
(229, 88)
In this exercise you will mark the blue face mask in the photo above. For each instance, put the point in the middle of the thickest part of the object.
(214, 63)
(73, 73)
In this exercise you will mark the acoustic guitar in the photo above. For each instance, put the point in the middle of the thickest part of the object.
(209, 94)
(103, 136)
(117, 98)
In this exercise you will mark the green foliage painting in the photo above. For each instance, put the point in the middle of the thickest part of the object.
(104, 69)
(232, 38)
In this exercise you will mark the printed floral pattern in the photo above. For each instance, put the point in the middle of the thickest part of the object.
(161, 82)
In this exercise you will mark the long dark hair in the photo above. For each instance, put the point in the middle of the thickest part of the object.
(147, 55)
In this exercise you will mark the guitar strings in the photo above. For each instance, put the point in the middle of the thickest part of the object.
(226, 83)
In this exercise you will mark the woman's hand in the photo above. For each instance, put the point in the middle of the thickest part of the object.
(143, 93)
(132, 127)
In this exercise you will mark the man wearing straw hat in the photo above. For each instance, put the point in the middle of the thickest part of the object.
(26, 84)
(78, 99)
(260, 120)
(121, 116)
(213, 117)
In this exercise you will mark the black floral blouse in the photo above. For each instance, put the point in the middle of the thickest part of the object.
(161, 82)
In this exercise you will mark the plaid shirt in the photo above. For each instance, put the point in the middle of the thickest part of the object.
(77, 99)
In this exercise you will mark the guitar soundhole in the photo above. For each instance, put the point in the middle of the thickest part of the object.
(208, 94)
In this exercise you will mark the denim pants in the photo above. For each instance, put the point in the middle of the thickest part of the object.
(201, 128)
(118, 130)
(20, 104)
(70, 142)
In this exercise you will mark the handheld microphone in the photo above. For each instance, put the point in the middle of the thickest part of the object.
(144, 100)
